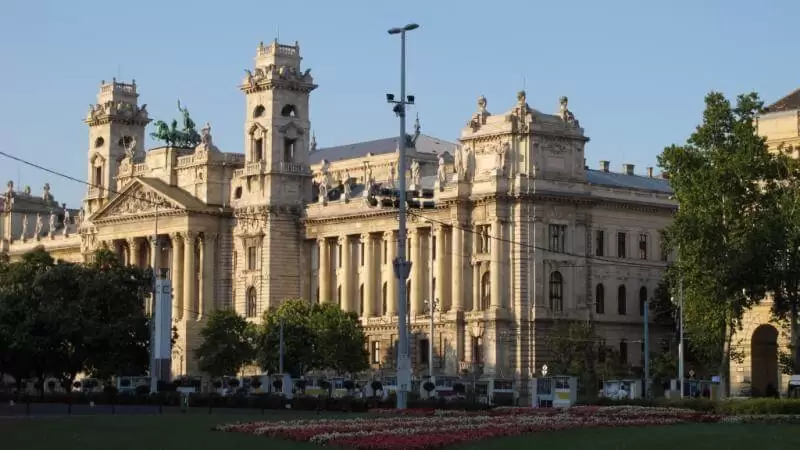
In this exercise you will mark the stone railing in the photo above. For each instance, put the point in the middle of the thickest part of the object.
(139, 169)
(290, 167)
(93, 192)
(260, 167)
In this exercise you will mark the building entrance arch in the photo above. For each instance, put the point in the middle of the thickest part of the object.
(764, 361)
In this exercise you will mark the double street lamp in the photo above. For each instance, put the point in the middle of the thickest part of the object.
(402, 268)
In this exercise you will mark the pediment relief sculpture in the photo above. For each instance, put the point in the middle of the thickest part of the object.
(138, 201)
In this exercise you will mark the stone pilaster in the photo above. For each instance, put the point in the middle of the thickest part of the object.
(476, 286)
(324, 271)
(208, 258)
(349, 301)
(134, 248)
(390, 238)
(189, 274)
(442, 274)
(368, 275)
(458, 263)
(176, 273)
(417, 278)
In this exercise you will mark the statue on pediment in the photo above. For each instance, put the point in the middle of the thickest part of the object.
(9, 188)
(441, 171)
(392, 174)
(24, 225)
(81, 217)
(188, 137)
(39, 225)
(67, 220)
(52, 222)
(46, 195)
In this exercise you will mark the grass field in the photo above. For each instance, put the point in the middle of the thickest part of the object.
(193, 431)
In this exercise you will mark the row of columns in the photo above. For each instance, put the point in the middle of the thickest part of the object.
(191, 270)
(453, 258)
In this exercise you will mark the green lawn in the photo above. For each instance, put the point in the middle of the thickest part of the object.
(193, 431)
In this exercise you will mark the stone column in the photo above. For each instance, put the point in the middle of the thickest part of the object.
(189, 267)
(458, 268)
(176, 273)
(496, 267)
(476, 286)
(134, 247)
(349, 302)
(417, 279)
(388, 272)
(442, 278)
(207, 284)
(324, 271)
(368, 275)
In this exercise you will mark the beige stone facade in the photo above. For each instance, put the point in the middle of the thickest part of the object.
(517, 230)
(761, 336)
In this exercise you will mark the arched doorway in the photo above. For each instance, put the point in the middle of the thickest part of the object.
(764, 360)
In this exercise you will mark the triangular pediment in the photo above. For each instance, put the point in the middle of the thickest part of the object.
(139, 198)
(291, 130)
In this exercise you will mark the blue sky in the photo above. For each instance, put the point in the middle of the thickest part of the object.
(635, 71)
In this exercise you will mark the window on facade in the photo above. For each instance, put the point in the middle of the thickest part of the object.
(376, 352)
(361, 300)
(289, 150)
(558, 236)
(622, 300)
(600, 299)
(621, 245)
(599, 242)
(642, 246)
(251, 309)
(623, 352)
(642, 300)
(258, 149)
(258, 111)
(252, 260)
(98, 176)
(424, 351)
(556, 293)
(384, 298)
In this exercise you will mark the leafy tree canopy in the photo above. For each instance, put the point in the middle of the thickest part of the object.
(228, 344)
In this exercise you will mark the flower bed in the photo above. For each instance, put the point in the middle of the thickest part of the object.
(427, 429)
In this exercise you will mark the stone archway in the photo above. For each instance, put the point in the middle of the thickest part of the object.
(764, 359)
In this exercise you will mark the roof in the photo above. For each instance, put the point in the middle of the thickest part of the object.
(424, 144)
(786, 103)
(621, 180)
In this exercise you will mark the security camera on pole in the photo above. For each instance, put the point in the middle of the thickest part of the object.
(402, 268)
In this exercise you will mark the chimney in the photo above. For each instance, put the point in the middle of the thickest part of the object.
(604, 165)
(650, 172)
(628, 169)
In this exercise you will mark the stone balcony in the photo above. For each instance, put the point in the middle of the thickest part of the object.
(261, 167)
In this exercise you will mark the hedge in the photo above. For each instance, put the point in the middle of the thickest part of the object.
(732, 407)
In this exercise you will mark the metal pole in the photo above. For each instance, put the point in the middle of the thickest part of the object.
(646, 349)
(280, 351)
(680, 343)
(432, 309)
(154, 375)
(402, 268)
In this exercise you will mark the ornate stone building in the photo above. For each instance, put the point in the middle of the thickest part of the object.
(516, 231)
(762, 337)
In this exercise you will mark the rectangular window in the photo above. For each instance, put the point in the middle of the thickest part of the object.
(623, 352)
(642, 246)
(258, 150)
(599, 242)
(252, 261)
(376, 352)
(558, 237)
(288, 150)
(621, 245)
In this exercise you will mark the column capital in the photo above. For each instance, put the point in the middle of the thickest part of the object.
(365, 238)
(342, 239)
(175, 236)
(131, 240)
(322, 239)
(188, 236)
(389, 235)
(210, 238)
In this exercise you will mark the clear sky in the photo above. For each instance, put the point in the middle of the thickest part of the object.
(635, 71)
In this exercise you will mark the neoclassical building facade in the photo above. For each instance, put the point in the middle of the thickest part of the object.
(510, 230)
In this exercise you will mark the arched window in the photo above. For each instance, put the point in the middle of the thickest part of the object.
(384, 298)
(556, 291)
(251, 309)
(288, 111)
(622, 300)
(361, 300)
(642, 300)
(258, 111)
(600, 299)
(486, 291)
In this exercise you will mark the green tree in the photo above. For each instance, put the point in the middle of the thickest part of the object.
(300, 341)
(341, 343)
(718, 229)
(228, 344)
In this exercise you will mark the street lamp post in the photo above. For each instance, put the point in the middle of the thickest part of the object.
(402, 268)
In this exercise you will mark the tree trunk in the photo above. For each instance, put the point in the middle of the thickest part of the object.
(725, 362)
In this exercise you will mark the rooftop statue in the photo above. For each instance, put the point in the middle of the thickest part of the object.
(188, 137)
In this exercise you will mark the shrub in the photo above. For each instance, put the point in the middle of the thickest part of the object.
(277, 384)
(349, 385)
(428, 386)
(459, 388)
(217, 384)
(376, 386)
(255, 382)
(301, 384)
(51, 385)
(142, 389)
(325, 384)
(233, 382)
